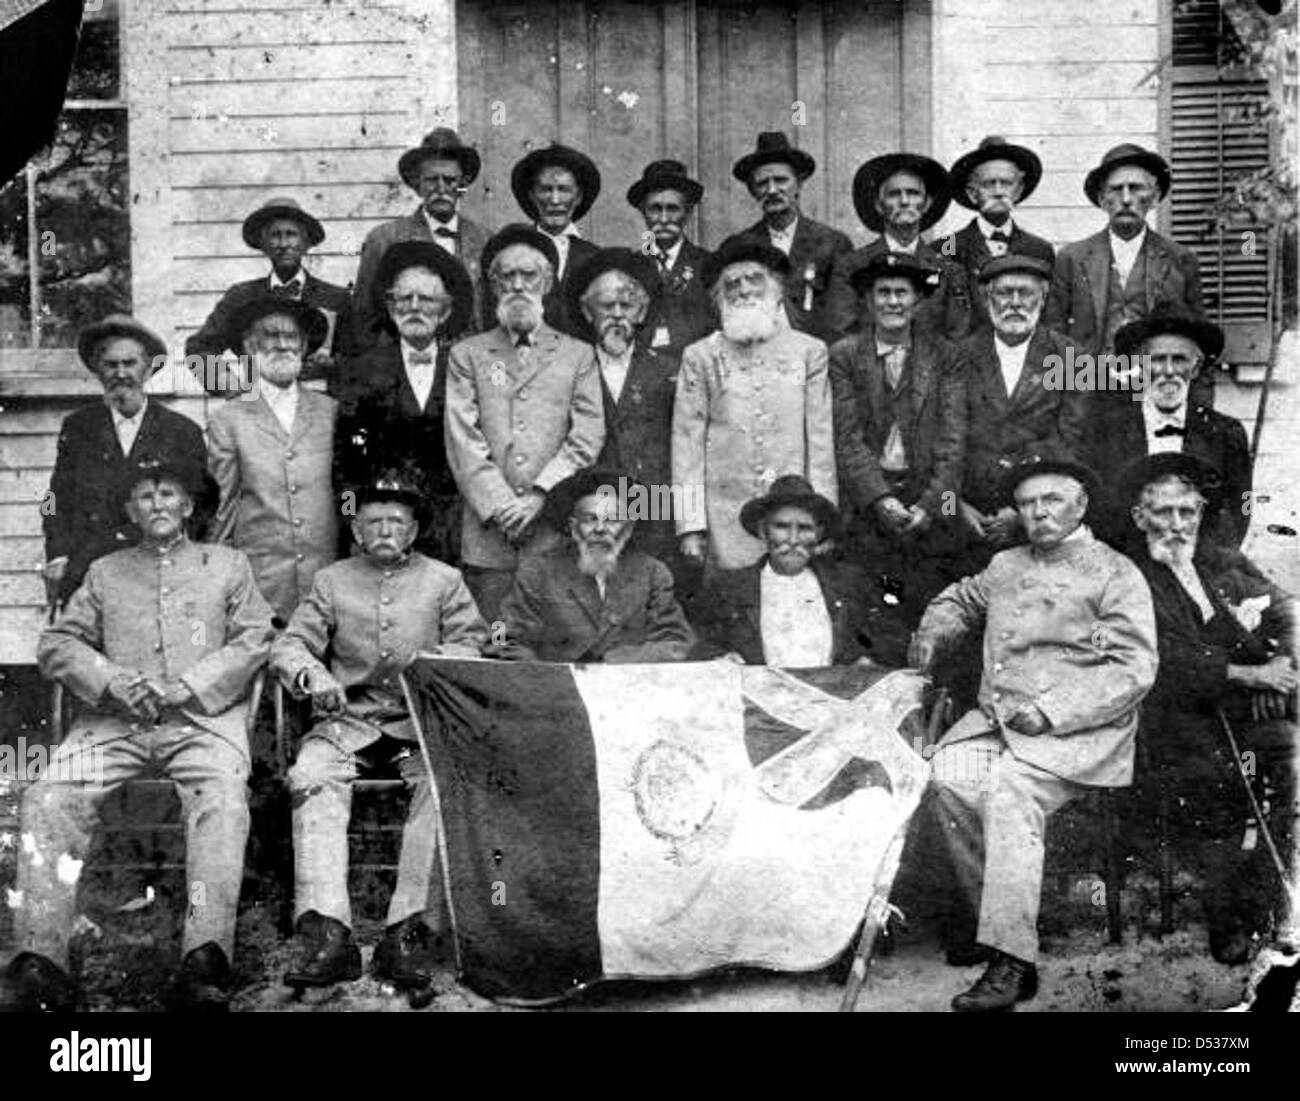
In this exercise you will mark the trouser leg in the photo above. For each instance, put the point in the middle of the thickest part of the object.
(956, 802)
(419, 889)
(211, 776)
(58, 816)
(320, 785)
(489, 588)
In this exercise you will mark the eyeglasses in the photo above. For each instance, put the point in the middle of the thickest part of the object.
(415, 301)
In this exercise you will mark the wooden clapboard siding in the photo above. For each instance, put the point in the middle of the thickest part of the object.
(1069, 80)
(237, 101)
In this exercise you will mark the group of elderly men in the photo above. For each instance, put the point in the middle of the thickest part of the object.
(532, 448)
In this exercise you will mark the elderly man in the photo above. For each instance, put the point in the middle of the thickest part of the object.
(753, 402)
(439, 170)
(1170, 350)
(524, 412)
(271, 456)
(666, 197)
(1069, 653)
(795, 607)
(614, 292)
(554, 187)
(1012, 407)
(284, 232)
(899, 196)
(899, 396)
(775, 173)
(366, 617)
(1127, 271)
(594, 598)
(992, 180)
(160, 644)
(99, 443)
(393, 397)
(1227, 658)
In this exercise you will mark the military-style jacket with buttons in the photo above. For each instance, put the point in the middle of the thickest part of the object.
(744, 416)
(277, 500)
(367, 621)
(190, 612)
(1069, 629)
(514, 423)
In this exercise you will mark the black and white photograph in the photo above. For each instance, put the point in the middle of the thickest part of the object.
(782, 506)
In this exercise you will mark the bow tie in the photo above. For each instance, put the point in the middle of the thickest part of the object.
(1171, 430)
(415, 359)
(287, 290)
(443, 231)
(1000, 235)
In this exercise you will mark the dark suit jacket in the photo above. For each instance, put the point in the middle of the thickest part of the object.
(1117, 437)
(83, 523)
(638, 437)
(968, 248)
(368, 322)
(1077, 304)
(861, 626)
(214, 337)
(684, 307)
(947, 312)
(935, 436)
(816, 250)
(555, 613)
(999, 428)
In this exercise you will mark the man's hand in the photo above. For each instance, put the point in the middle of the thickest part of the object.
(1028, 720)
(326, 693)
(732, 657)
(893, 513)
(694, 546)
(132, 693)
(973, 519)
(1269, 705)
(1276, 675)
(170, 693)
(515, 516)
(1000, 528)
(918, 519)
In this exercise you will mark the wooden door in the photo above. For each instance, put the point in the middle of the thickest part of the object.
(630, 82)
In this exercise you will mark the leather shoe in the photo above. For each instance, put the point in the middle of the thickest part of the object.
(328, 955)
(1006, 981)
(40, 985)
(1231, 946)
(967, 953)
(205, 980)
(408, 955)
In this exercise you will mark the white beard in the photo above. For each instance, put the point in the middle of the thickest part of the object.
(279, 368)
(520, 313)
(615, 340)
(1177, 556)
(749, 322)
(599, 562)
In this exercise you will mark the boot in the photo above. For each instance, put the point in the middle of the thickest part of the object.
(40, 985)
(1006, 981)
(408, 955)
(205, 981)
(328, 955)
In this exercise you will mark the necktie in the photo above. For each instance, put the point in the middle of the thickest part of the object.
(286, 290)
(662, 257)
(443, 231)
(1000, 235)
(416, 359)
(894, 359)
(1170, 430)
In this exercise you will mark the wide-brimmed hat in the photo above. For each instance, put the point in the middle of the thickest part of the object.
(121, 324)
(1205, 334)
(1049, 460)
(791, 489)
(896, 265)
(403, 483)
(443, 143)
(635, 265)
(994, 148)
(607, 481)
(738, 250)
(282, 208)
(869, 177)
(1018, 263)
(773, 147)
(198, 483)
(518, 234)
(555, 156)
(425, 254)
(1151, 468)
(311, 322)
(1120, 155)
(660, 175)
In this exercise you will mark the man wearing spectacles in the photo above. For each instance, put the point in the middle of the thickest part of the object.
(393, 395)
(1013, 403)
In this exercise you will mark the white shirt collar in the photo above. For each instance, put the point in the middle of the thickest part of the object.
(299, 279)
(120, 419)
(569, 231)
(987, 228)
(784, 236)
(283, 402)
(670, 257)
(614, 370)
(1011, 358)
(452, 223)
(896, 246)
(1127, 250)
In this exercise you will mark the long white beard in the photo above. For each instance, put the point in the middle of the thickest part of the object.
(747, 322)
(520, 313)
(279, 368)
(599, 562)
(1175, 555)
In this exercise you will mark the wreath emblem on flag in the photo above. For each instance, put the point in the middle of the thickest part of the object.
(676, 793)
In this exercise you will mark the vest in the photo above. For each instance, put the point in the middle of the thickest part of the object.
(1128, 302)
